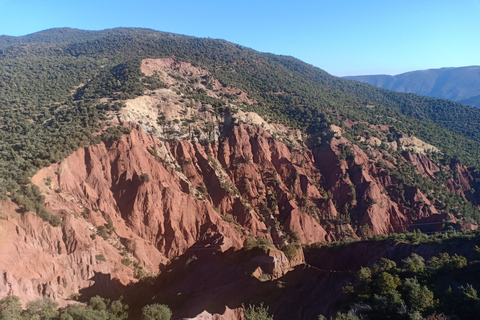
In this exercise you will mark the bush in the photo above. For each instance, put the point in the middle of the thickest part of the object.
(100, 257)
(144, 177)
(55, 221)
(114, 133)
(387, 283)
(98, 308)
(418, 296)
(156, 312)
(10, 308)
(414, 263)
(446, 262)
(256, 313)
(228, 219)
(260, 243)
(290, 251)
(102, 231)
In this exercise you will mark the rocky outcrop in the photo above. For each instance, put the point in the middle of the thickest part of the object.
(141, 194)
(229, 314)
(368, 193)
(139, 202)
(155, 200)
(39, 260)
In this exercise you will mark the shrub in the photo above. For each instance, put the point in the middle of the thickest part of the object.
(144, 177)
(100, 257)
(384, 265)
(55, 221)
(290, 251)
(110, 227)
(446, 262)
(419, 297)
(202, 188)
(414, 263)
(97, 303)
(156, 312)
(98, 308)
(256, 313)
(227, 219)
(114, 133)
(387, 283)
(102, 231)
(10, 308)
(260, 243)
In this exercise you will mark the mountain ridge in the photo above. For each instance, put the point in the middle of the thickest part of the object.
(453, 83)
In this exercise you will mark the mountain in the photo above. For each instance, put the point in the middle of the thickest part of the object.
(457, 84)
(156, 169)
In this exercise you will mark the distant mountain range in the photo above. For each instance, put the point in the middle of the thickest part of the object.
(457, 84)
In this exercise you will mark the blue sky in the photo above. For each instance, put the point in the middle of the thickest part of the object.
(343, 37)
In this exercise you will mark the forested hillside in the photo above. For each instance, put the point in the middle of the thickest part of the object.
(39, 72)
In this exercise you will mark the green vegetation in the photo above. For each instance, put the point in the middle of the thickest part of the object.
(408, 293)
(417, 286)
(144, 177)
(100, 257)
(290, 251)
(126, 262)
(97, 308)
(30, 199)
(156, 312)
(114, 133)
(256, 313)
(416, 237)
(258, 243)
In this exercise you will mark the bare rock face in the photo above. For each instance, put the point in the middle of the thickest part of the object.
(359, 182)
(257, 181)
(275, 264)
(141, 194)
(423, 164)
(229, 314)
(155, 199)
(130, 206)
(39, 260)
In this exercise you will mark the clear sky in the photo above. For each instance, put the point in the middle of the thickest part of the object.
(343, 37)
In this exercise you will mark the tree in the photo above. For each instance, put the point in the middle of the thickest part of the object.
(446, 262)
(384, 265)
(419, 297)
(256, 313)
(42, 309)
(97, 303)
(387, 283)
(414, 263)
(11, 308)
(156, 312)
